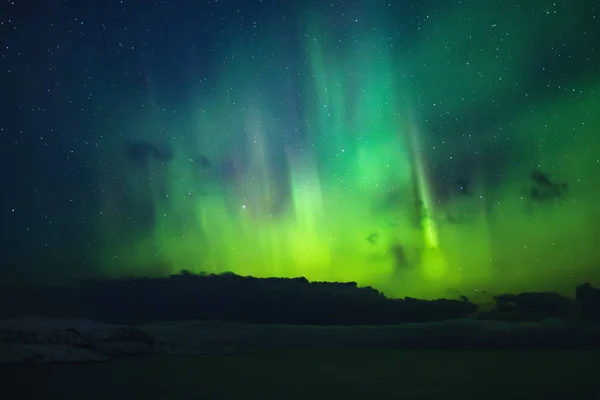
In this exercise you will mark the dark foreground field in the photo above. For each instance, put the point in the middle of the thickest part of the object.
(318, 374)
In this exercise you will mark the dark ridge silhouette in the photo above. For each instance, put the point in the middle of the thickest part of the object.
(532, 307)
(226, 297)
(232, 298)
(588, 298)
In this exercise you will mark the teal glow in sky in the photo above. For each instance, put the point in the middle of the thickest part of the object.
(419, 149)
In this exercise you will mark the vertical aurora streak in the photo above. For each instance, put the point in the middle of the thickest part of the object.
(330, 164)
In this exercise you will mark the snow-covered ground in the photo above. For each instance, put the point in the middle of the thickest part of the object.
(55, 340)
(60, 340)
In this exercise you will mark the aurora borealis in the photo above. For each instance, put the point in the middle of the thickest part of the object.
(420, 149)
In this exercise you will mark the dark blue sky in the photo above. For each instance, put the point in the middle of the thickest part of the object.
(69, 69)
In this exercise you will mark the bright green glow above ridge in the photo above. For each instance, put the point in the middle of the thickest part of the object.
(358, 190)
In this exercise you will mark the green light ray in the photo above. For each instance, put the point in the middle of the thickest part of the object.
(359, 200)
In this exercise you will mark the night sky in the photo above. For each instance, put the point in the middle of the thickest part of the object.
(418, 147)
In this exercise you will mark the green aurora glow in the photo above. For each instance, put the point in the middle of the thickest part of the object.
(361, 184)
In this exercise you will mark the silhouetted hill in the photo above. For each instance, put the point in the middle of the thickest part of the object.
(232, 298)
(227, 297)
